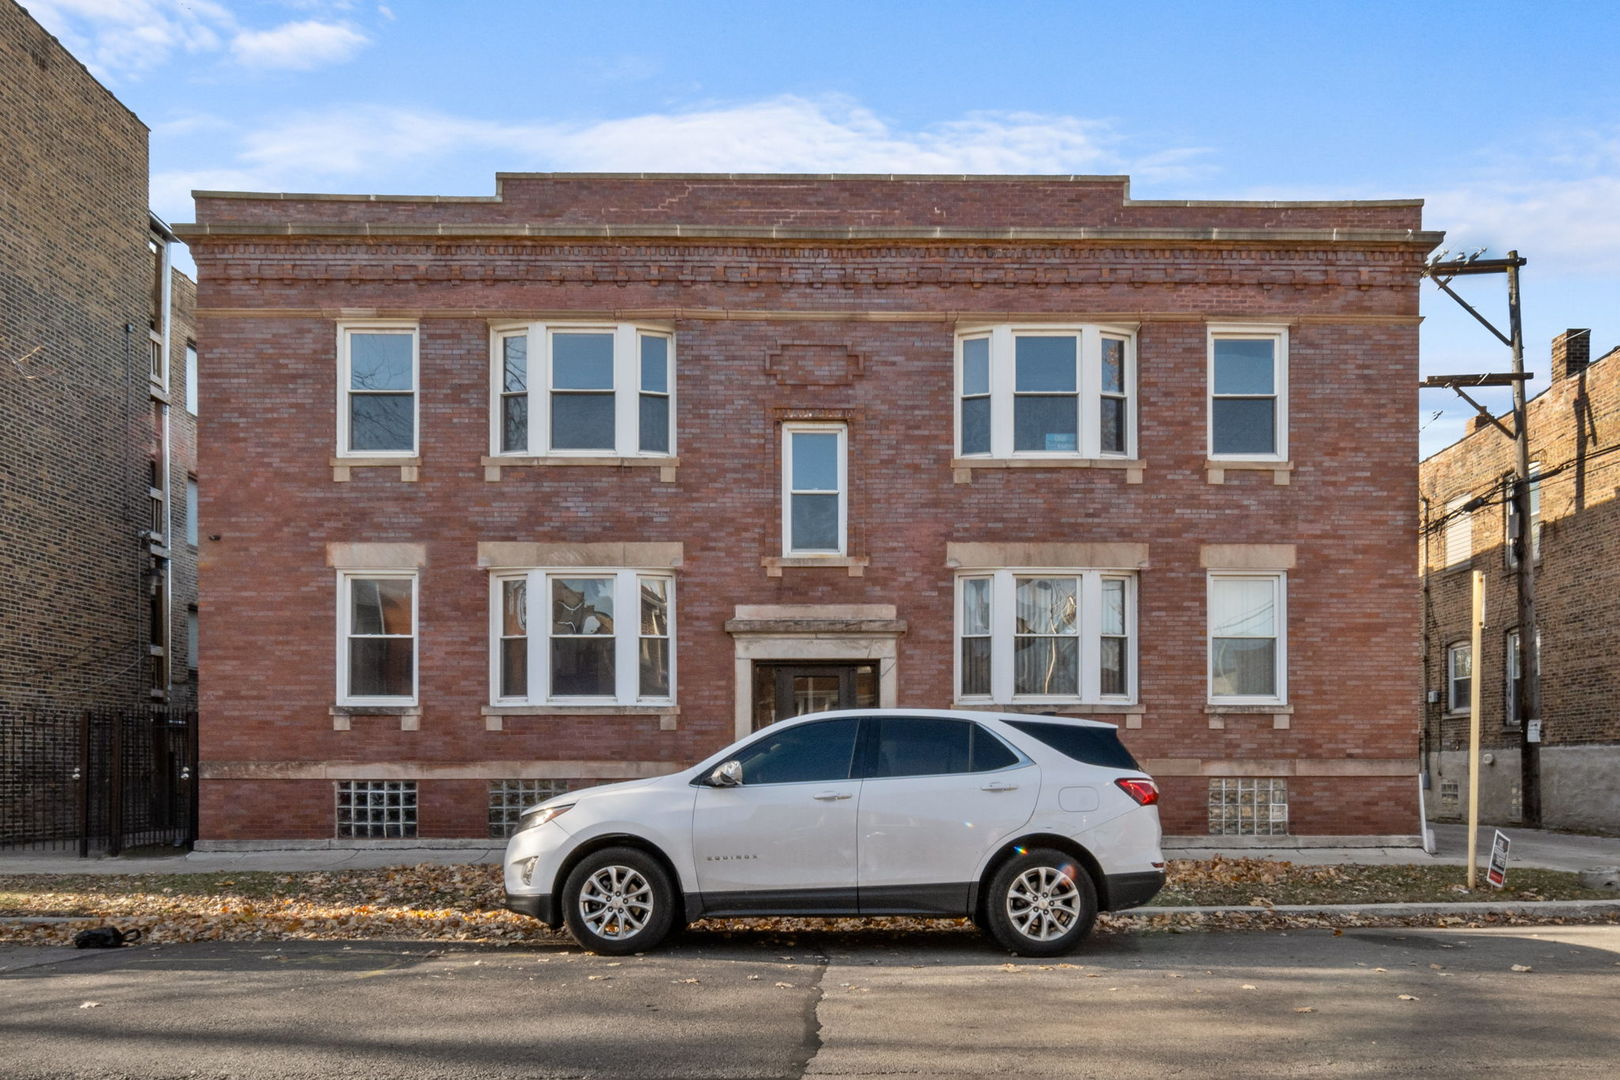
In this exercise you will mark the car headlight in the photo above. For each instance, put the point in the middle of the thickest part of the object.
(537, 817)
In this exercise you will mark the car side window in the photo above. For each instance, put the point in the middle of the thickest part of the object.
(918, 746)
(989, 752)
(800, 754)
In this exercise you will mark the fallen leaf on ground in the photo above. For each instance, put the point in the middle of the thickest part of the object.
(1521, 967)
(91, 1005)
(1304, 1008)
(1408, 997)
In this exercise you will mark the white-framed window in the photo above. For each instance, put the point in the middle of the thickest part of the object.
(377, 637)
(1513, 676)
(191, 377)
(585, 389)
(377, 408)
(1248, 392)
(1457, 533)
(1046, 391)
(582, 636)
(1248, 621)
(1045, 635)
(191, 510)
(815, 489)
(1459, 676)
(1534, 539)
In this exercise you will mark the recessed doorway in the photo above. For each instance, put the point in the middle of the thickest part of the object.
(782, 690)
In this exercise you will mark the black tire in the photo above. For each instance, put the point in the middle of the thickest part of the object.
(1013, 906)
(617, 901)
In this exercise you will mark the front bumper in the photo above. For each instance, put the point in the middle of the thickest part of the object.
(1132, 890)
(535, 905)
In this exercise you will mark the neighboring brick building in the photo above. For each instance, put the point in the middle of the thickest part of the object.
(96, 443)
(824, 440)
(97, 440)
(1575, 540)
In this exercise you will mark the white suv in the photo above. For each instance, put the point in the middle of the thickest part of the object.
(1027, 824)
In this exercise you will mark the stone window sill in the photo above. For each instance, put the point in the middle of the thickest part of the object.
(1281, 714)
(410, 716)
(962, 467)
(666, 466)
(409, 467)
(855, 564)
(495, 715)
(1217, 468)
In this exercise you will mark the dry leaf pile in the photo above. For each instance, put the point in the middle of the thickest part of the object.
(463, 903)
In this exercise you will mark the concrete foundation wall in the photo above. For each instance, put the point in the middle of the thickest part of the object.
(1577, 787)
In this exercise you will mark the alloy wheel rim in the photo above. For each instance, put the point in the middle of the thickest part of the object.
(616, 902)
(1043, 903)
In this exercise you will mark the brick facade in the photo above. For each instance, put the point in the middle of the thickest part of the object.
(801, 298)
(1572, 441)
(80, 300)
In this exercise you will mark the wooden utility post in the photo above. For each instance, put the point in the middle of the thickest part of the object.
(1476, 635)
(1525, 563)
(1442, 272)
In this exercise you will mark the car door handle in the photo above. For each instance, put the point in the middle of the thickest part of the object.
(999, 787)
(833, 796)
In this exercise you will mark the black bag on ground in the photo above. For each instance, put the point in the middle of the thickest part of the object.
(105, 937)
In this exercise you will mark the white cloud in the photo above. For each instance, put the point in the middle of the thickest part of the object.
(298, 45)
(130, 37)
(783, 134)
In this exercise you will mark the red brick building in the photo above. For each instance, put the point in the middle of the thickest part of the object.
(583, 480)
(1574, 538)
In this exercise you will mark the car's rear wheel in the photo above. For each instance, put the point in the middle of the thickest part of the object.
(617, 901)
(1040, 903)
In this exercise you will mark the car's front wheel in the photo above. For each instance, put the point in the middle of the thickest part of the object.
(1041, 903)
(617, 901)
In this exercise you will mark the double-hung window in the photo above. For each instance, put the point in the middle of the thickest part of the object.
(1045, 392)
(582, 389)
(581, 636)
(1045, 636)
(377, 387)
(377, 638)
(1248, 404)
(1459, 677)
(1457, 534)
(815, 489)
(1248, 638)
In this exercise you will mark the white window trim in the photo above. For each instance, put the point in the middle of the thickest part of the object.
(824, 428)
(345, 578)
(1256, 332)
(626, 387)
(393, 326)
(1279, 580)
(190, 516)
(1452, 708)
(626, 636)
(1088, 386)
(1003, 626)
(192, 389)
(1458, 525)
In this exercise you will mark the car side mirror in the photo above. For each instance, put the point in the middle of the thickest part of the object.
(726, 774)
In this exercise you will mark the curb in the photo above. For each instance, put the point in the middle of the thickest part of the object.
(1473, 907)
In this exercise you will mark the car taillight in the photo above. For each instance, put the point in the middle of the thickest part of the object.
(1145, 792)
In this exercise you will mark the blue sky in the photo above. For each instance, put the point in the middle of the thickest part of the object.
(1505, 117)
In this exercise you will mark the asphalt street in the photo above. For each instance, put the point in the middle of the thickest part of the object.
(1364, 1003)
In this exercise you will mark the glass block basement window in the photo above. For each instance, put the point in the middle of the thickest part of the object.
(1243, 807)
(509, 798)
(376, 809)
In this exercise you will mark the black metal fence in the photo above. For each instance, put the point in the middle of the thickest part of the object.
(97, 781)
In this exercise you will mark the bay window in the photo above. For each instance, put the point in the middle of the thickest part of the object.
(582, 636)
(1045, 636)
(1045, 391)
(588, 390)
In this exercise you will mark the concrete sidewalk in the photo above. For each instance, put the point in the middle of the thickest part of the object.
(1530, 847)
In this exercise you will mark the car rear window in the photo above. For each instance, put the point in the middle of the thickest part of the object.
(1092, 745)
